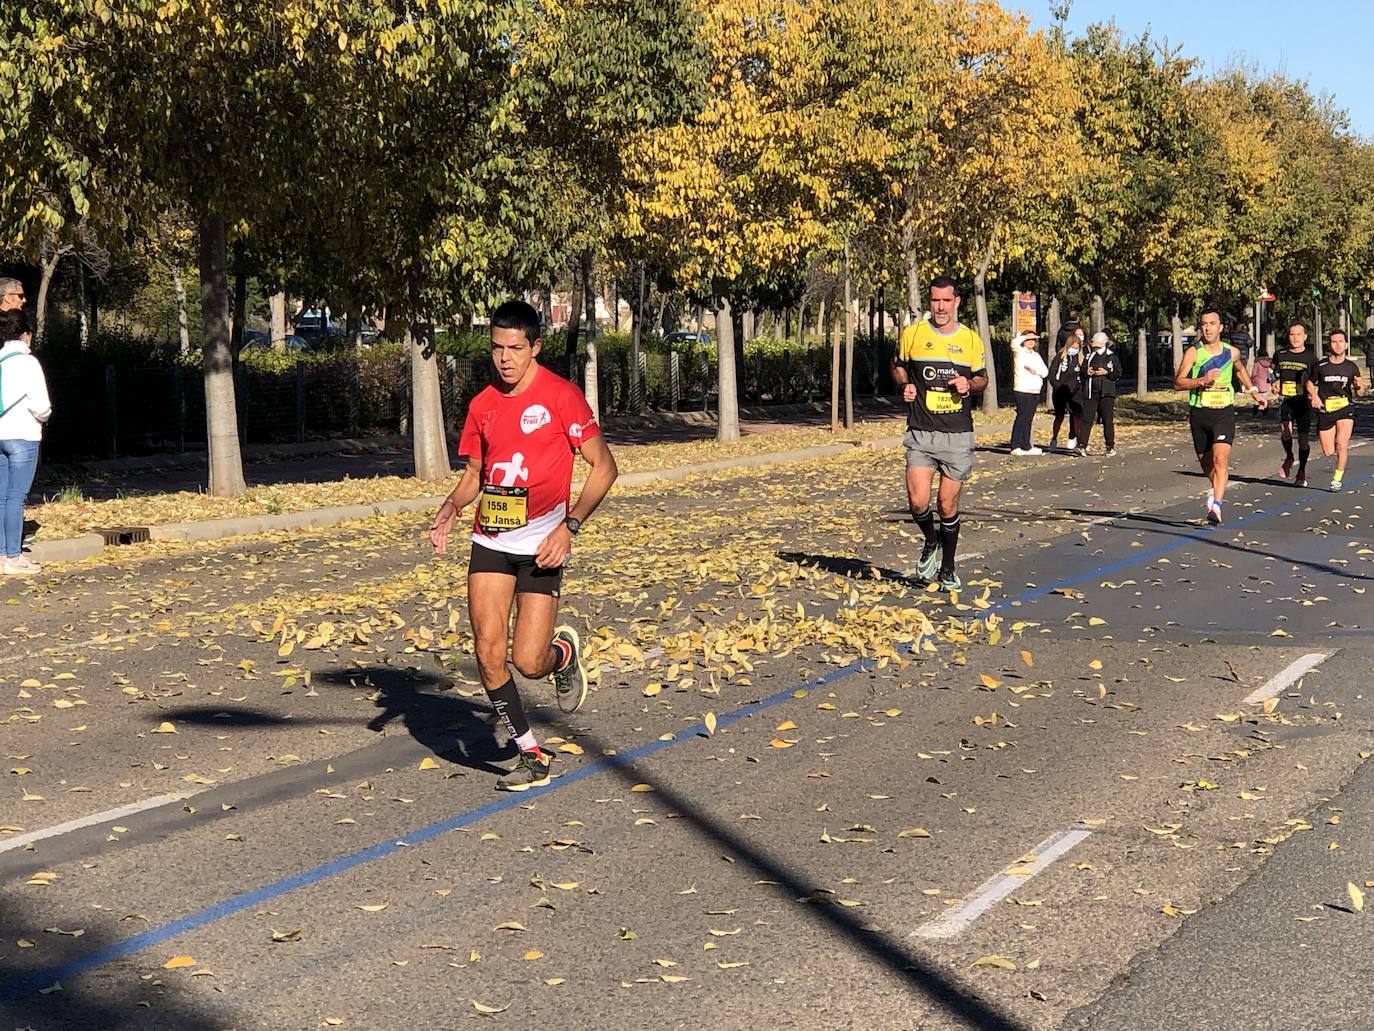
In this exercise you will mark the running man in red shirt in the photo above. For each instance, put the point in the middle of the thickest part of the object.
(519, 439)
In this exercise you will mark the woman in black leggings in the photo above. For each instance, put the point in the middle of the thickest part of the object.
(1101, 370)
(1066, 389)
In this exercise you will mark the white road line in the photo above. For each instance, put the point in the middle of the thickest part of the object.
(1296, 669)
(996, 888)
(109, 815)
(64, 649)
(1359, 443)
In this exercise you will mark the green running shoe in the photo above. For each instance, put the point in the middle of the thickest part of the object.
(570, 682)
(531, 771)
(928, 563)
(950, 582)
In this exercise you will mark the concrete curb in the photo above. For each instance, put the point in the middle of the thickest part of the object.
(70, 549)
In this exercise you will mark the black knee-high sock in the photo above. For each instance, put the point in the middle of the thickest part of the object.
(949, 542)
(1288, 447)
(926, 521)
(506, 701)
(1303, 453)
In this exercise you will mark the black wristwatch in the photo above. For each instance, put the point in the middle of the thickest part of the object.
(573, 524)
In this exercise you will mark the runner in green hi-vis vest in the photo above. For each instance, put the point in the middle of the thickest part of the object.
(1207, 372)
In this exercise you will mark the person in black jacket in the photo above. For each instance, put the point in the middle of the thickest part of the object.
(1066, 389)
(1100, 370)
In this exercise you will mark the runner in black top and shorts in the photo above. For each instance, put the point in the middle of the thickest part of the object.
(1293, 366)
(1332, 390)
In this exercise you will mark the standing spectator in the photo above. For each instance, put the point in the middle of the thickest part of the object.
(1029, 372)
(1073, 326)
(11, 294)
(1101, 370)
(1066, 389)
(1263, 378)
(24, 407)
(1243, 342)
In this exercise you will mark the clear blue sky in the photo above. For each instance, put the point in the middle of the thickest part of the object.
(1328, 43)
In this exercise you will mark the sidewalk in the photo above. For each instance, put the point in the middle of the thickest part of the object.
(385, 469)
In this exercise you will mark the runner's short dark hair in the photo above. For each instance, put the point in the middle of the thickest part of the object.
(14, 324)
(516, 314)
(940, 282)
(1341, 333)
(1210, 311)
(1296, 323)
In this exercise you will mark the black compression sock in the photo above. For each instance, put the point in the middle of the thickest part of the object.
(1287, 447)
(506, 701)
(926, 521)
(949, 542)
(1303, 453)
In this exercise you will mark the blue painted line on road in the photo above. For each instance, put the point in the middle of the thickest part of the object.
(44, 977)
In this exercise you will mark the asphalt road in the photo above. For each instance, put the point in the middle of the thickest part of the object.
(250, 785)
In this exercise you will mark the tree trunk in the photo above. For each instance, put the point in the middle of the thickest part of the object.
(1053, 322)
(1345, 317)
(834, 377)
(980, 296)
(1177, 330)
(183, 325)
(636, 326)
(1099, 314)
(913, 283)
(592, 387)
(1317, 330)
(1142, 354)
(820, 321)
(236, 329)
(849, 318)
(748, 323)
(81, 303)
(51, 258)
(574, 331)
(727, 422)
(427, 408)
(278, 300)
(221, 417)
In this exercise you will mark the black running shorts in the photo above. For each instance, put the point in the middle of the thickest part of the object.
(1327, 420)
(529, 578)
(1298, 411)
(1212, 426)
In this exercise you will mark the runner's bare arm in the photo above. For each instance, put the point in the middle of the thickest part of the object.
(554, 548)
(1184, 382)
(463, 495)
(900, 377)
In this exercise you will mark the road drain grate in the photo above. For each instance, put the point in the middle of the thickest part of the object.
(125, 535)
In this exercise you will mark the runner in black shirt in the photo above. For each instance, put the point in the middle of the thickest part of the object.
(1294, 366)
(1332, 390)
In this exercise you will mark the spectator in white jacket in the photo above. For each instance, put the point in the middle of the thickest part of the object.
(24, 408)
(1028, 380)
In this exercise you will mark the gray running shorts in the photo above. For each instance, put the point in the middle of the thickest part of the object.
(950, 453)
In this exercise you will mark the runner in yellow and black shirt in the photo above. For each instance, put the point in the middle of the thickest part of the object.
(940, 365)
(1294, 365)
(1334, 385)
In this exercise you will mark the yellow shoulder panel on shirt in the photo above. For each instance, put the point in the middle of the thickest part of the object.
(920, 342)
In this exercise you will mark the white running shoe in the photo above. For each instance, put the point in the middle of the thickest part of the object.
(21, 566)
(1019, 451)
(1035, 451)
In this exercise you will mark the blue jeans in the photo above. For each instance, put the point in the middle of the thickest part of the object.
(18, 463)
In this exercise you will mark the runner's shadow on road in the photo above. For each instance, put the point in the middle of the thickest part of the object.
(795, 887)
(1206, 535)
(853, 568)
(454, 728)
(125, 1002)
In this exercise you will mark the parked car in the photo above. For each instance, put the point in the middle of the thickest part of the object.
(683, 338)
(262, 342)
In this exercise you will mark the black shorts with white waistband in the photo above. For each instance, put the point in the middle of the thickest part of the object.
(530, 578)
(1212, 426)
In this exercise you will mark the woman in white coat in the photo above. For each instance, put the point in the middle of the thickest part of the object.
(1028, 380)
(24, 408)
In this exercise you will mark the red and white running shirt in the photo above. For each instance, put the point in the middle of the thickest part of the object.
(525, 443)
